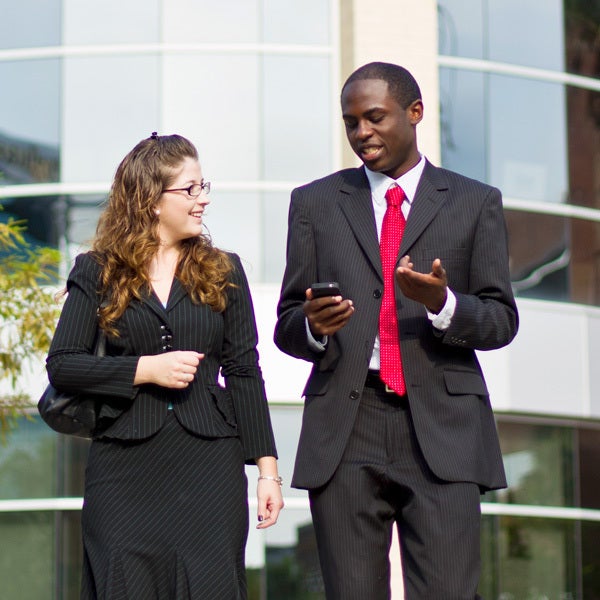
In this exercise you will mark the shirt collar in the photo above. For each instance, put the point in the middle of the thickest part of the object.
(380, 182)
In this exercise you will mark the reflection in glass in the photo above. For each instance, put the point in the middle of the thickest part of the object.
(527, 139)
(463, 122)
(590, 560)
(30, 120)
(540, 255)
(529, 558)
(486, 134)
(460, 28)
(488, 29)
(533, 39)
(294, 572)
(584, 145)
(589, 459)
(539, 464)
(554, 258)
(582, 24)
(27, 557)
(27, 462)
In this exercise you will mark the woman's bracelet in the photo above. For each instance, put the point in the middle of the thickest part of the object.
(277, 479)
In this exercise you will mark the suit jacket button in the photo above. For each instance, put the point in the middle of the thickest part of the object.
(354, 395)
(377, 294)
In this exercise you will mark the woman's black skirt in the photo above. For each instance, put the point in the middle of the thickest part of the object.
(165, 518)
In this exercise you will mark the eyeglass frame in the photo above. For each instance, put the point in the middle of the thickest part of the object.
(204, 187)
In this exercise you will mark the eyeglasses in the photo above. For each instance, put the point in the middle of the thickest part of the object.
(194, 190)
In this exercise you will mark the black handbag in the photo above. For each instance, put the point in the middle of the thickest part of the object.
(82, 415)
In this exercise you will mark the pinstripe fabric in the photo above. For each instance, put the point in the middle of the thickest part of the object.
(450, 439)
(165, 512)
(332, 237)
(228, 340)
(393, 482)
(159, 526)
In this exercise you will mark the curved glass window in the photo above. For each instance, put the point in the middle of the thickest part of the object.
(488, 135)
(511, 31)
(30, 23)
(111, 22)
(30, 121)
(110, 104)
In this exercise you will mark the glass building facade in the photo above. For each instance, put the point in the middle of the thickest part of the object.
(255, 85)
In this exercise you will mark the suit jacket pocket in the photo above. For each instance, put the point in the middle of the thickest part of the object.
(317, 383)
(223, 403)
(465, 382)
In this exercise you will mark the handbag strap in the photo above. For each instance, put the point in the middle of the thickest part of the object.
(100, 341)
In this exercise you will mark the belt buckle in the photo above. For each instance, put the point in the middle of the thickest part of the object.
(389, 390)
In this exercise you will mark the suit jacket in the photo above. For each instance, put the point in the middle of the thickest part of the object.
(227, 339)
(332, 237)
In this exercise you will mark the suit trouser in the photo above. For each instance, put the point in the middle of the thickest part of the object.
(383, 479)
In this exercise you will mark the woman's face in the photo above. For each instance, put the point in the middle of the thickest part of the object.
(179, 214)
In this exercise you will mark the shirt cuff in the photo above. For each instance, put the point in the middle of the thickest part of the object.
(443, 319)
(316, 345)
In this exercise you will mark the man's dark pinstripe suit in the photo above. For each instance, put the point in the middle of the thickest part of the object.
(332, 237)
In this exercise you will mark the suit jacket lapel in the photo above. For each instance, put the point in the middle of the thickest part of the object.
(428, 200)
(356, 204)
(176, 294)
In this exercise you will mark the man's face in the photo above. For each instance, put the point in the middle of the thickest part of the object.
(380, 131)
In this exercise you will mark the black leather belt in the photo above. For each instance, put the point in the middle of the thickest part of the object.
(373, 381)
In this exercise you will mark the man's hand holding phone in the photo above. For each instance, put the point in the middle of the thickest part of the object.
(325, 308)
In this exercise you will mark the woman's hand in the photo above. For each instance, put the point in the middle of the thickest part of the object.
(268, 492)
(270, 502)
(175, 369)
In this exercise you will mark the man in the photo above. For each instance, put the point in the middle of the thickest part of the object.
(415, 445)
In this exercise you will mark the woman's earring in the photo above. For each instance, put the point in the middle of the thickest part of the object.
(157, 212)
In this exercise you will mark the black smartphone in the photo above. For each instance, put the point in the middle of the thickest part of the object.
(327, 288)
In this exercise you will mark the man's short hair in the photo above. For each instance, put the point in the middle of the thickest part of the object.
(402, 85)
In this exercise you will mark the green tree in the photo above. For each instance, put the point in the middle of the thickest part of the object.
(28, 313)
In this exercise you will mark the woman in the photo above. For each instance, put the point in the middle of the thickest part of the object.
(165, 510)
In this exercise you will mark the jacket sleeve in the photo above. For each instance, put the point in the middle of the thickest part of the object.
(71, 364)
(486, 316)
(301, 271)
(241, 370)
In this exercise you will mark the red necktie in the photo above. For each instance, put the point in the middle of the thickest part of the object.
(389, 348)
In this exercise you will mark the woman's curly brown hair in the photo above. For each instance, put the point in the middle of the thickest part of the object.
(127, 234)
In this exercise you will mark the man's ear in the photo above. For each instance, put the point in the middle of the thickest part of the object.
(415, 112)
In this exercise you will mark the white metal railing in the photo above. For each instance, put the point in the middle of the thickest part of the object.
(46, 52)
(500, 68)
(99, 187)
(294, 503)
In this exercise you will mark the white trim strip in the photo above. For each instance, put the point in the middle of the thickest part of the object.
(498, 68)
(40, 504)
(56, 189)
(487, 508)
(543, 512)
(552, 208)
(137, 49)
